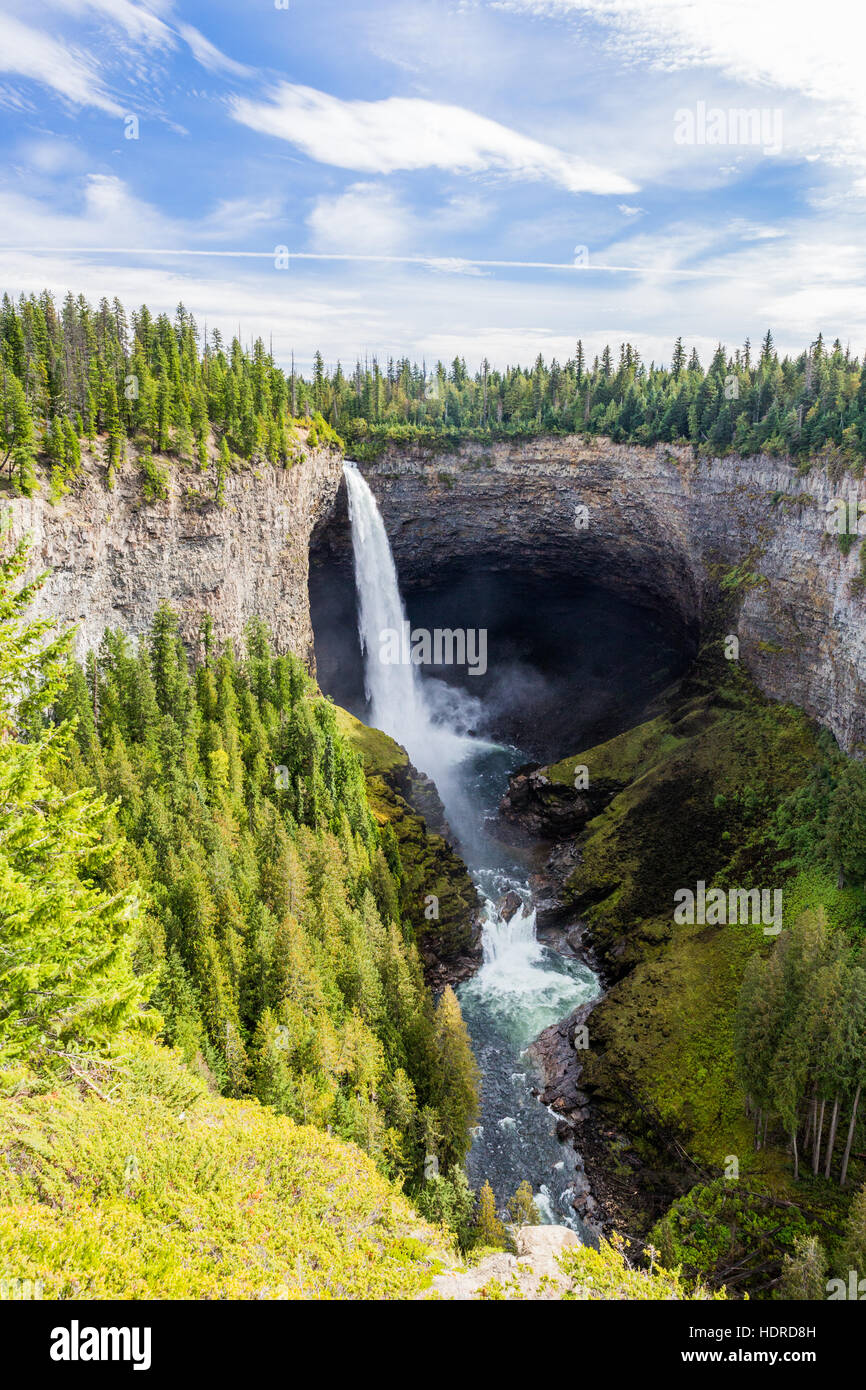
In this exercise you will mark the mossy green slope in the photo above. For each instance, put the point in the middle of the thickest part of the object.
(694, 787)
(164, 1190)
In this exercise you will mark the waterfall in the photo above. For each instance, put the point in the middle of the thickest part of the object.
(522, 985)
(400, 703)
(397, 702)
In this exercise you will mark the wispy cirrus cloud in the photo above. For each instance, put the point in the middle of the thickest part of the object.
(405, 133)
(77, 72)
(208, 55)
(792, 46)
(140, 22)
(39, 57)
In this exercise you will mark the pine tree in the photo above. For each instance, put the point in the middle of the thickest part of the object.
(17, 433)
(55, 853)
(457, 1079)
(804, 1273)
(489, 1230)
(522, 1208)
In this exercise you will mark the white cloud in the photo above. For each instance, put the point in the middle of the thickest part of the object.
(31, 54)
(138, 21)
(367, 219)
(796, 46)
(51, 155)
(234, 218)
(110, 215)
(208, 55)
(380, 137)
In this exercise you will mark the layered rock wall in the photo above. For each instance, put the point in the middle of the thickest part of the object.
(112, 558)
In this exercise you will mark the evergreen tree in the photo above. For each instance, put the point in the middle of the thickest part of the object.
(458, 1079)
(57, 902)
(804, 1273)
(489, 1229)
(522, 1208)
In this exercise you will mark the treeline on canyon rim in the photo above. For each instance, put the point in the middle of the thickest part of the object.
(78, 374)
(175, 388)
(200, 843)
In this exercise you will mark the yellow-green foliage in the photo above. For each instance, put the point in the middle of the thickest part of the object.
(605, 1273)
(278, 917)
(166, 1191)
(321, 433)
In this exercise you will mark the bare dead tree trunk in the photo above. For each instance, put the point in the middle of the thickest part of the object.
(813, 1120)
(819, 1139)
(796, 1155)
(831, 1140)
(850, 1140)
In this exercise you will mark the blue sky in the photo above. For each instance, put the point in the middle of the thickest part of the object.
(447, 135)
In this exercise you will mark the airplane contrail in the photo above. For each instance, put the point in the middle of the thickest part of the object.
(437, 262)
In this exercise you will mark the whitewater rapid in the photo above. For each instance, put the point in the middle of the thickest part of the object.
(522, 986)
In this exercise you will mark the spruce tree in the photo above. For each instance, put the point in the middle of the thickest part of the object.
(804, 1273)
(56, 857)
(457, 1076)
(489, 1230)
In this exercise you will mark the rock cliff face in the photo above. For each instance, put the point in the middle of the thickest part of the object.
(657, 527)
(661, 528)
(113, 558)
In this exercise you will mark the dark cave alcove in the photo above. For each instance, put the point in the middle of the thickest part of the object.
(569, 662)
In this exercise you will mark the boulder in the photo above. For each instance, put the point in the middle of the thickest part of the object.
(509, 905)
(532, 1274)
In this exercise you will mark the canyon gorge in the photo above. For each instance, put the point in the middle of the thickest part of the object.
(600, 570)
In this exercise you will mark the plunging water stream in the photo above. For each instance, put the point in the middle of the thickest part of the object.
(522, 985)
